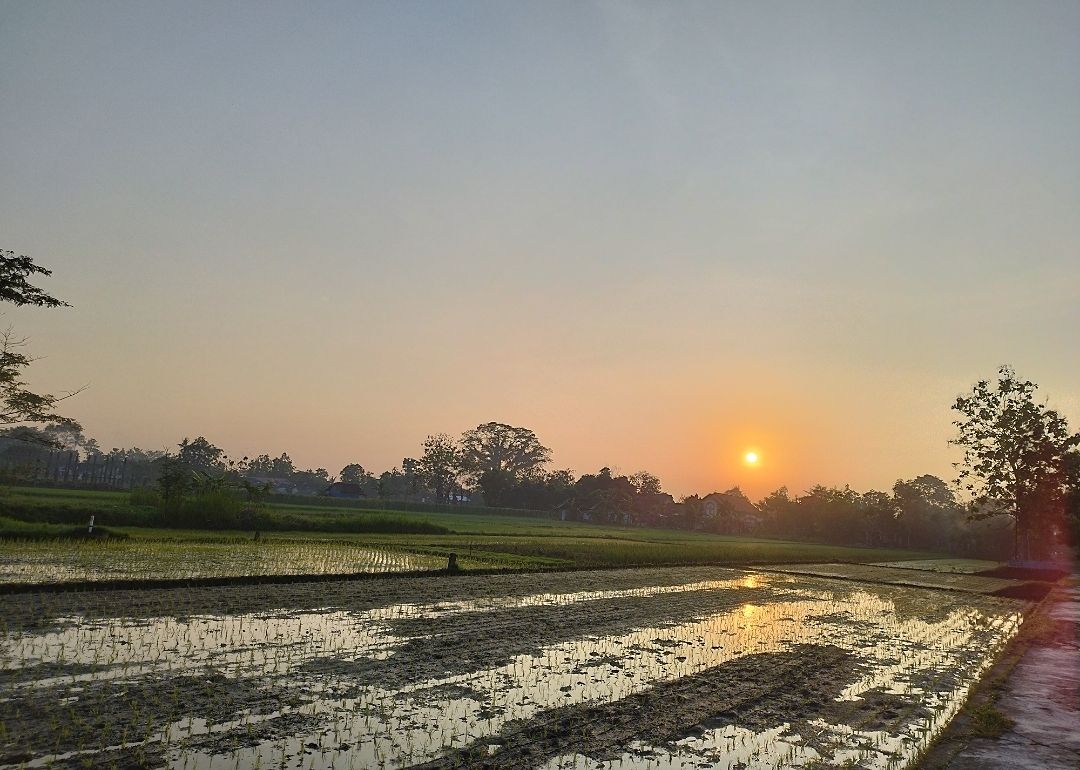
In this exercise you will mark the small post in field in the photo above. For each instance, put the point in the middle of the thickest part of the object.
(90, 529)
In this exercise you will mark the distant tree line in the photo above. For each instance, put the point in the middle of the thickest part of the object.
(499, 465)
(920, 513)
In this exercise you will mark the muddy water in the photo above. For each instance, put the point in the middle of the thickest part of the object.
(767, 670)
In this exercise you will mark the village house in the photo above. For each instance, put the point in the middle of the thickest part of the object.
(730, 512)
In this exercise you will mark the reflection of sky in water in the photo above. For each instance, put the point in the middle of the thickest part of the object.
(932, 662)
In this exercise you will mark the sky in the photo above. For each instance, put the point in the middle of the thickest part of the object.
(657, 234)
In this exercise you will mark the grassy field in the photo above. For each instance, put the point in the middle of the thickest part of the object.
(115, 509)
(480, 542)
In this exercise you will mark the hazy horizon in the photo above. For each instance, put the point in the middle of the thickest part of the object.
(656, 235)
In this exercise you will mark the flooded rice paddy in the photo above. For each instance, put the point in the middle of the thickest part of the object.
(675, 668)
(89, 560)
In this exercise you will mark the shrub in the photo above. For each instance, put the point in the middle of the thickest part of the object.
(208, 509)
(989, 722)
(145, 496)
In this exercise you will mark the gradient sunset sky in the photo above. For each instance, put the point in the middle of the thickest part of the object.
(657, 234)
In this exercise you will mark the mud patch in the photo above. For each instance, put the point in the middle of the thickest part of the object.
(1030, 591)
(280, 727)
(1045, 574)
(51, 670)
(876, 710)
(104, 714)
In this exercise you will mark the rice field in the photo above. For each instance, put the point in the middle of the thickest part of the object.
(657, 668)
(189, 554)
(57, 561)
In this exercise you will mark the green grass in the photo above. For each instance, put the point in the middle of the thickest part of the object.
(33, 530)
(74, 507)
(463, 522)
(479, 540)
(988, 721)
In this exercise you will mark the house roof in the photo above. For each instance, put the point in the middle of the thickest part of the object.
(734, 500)
(347, 487)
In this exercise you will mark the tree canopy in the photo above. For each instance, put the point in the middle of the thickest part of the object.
(14, 286)
(1016, 456)
(439, 464)
(496, 456)
(200, 455)
(18, 404)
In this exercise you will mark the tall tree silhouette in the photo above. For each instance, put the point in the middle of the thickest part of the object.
(1015, 455)
(18, 404)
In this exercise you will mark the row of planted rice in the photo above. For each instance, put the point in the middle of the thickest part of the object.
(55, 561)
(723, 667)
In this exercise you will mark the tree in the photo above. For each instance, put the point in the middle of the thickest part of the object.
(691, 511)
(17, 403)
(282, 467)
(779, 512)
(200, 455)
(927, 513)
(175, 481)
(66, 435)
(24, 451)
(1072, 498)
(439, 464)
(495, 484)
(603, 497)
(260, 465)
(645, 483)
(353, 473)
(392, 484)
(496, 456)
(14, 288)
(879, 517)
(410, 470)
(832, 514)
(310, 481)
(548, 491)
(1015, 456)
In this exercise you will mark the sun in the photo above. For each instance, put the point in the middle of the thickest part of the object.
(751, 458)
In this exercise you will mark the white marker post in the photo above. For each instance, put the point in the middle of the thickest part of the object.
(90, 529)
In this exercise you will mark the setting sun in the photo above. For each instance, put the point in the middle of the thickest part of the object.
(751, 458)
